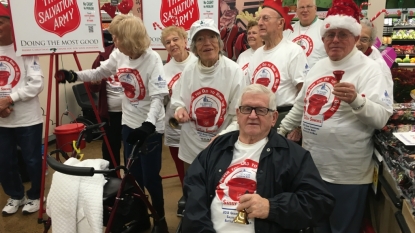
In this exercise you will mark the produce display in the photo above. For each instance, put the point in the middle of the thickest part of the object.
(403, 34)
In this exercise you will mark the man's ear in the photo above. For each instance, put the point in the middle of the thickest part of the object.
(274, 117)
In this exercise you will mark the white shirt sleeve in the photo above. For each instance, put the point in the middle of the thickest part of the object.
(294, 116)
(106, 69)
(33, 80)
(177, 100)
(156, 106)
(298, 67)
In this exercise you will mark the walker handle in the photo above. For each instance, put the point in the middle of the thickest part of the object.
(69, 170)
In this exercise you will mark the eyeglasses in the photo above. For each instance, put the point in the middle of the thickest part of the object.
(201, 39)
(266, 18)
(303, 8)
(341, 36)
(364, 40)
(259, 111)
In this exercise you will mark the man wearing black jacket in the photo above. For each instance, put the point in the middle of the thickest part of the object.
(254, 169)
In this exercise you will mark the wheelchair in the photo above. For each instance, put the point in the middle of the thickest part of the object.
(121, 196)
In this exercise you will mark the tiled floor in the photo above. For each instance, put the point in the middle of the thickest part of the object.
(19, 223)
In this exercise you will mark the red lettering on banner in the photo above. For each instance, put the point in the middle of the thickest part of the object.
(182, 13)
(57, 16)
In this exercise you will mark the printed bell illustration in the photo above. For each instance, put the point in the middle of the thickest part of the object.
(206, 114)
(4, 77)
(129, 89)
(264, 78)
(318, 100)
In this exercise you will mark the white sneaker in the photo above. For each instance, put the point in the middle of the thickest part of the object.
(13, 205)
(31, 206)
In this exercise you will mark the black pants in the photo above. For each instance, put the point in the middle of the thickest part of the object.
(113, 131)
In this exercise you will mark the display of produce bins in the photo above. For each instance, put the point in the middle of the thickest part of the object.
(404, 85)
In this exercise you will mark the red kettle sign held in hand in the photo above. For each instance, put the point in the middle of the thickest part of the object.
(178, 12)
(57, 16)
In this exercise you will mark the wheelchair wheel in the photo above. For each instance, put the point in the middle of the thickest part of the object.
(97, 134)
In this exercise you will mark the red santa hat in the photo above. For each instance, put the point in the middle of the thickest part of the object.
(4, 11)
(343, 14)
(283, 11)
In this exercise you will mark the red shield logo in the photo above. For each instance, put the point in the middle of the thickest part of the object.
(58, 17)
(179, 13)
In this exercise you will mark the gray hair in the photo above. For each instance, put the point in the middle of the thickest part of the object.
(314, 3)
(194, 50)
(260, 89)
(366, 23)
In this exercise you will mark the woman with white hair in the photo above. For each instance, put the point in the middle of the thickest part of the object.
(174, 39)
(365, 45)
(206, 97)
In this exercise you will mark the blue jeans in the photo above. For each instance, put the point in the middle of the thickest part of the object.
(29, 139)
(146, 168)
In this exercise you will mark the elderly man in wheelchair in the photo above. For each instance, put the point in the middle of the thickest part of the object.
(253, 179)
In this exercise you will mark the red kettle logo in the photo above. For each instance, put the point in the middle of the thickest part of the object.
(58, 17)
(179, 13)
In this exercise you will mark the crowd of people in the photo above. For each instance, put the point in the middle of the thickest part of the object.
(283, 134)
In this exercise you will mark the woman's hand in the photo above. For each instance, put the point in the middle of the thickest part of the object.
(181, 115)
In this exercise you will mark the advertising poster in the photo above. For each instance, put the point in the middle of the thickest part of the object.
(56, 26)
(158, 14)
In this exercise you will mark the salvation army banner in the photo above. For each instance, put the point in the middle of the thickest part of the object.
(56, 26)
(158, 14)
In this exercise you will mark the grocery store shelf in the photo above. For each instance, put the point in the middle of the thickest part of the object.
(404, 55)
(407, 64)
(404, 27)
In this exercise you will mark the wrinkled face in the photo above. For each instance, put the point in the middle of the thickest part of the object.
(207, 45)
(269, 23)
(5, 31)
(253, 125)
(365, 42)
(175, 44)
(306, 11)
(254, 40)
(339, 43)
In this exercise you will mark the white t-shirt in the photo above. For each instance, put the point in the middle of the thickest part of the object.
(20, 78)
(280, 69)
(142, 79)
(377, 56)
(236, 180)
(243, 61)
(338, 137)
(309, 39)
(210, 96)
(115, 93)
(173, 70)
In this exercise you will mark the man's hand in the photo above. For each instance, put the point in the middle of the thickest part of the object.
(66, 75)
(255, 206)
(6, 112)
(182, 116)
(295, 135)
(141, 133)
(4, 103)
(345, 92)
